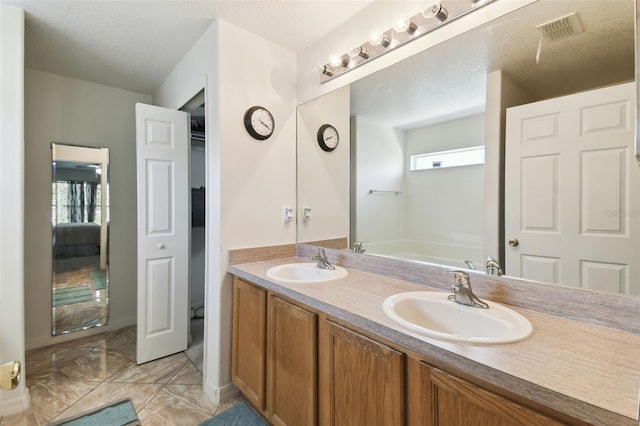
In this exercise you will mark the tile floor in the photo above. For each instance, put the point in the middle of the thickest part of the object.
(75, 376)
(75, 272)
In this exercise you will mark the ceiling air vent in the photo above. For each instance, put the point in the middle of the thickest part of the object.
(560, 28)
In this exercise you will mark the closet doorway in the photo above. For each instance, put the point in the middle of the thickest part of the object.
(197, 169)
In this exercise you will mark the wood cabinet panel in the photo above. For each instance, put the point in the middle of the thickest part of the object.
(361, 380)
(291, 364)
(458, 402)
(248, 348)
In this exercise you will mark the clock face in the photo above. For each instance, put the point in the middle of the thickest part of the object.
(328, 137)
(259, 122)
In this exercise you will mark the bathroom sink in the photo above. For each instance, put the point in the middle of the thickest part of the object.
(431, 314)
(305, 273)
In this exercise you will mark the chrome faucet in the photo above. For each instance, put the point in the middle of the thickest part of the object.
(470, 264)
(462, 292)
(358, 247)
(493, 267)
(321, 258)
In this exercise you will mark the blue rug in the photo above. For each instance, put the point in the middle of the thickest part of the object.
(117, 413)
(98, 273)
(98, 279)
(70, 295)
(238, 415)
(99, 283)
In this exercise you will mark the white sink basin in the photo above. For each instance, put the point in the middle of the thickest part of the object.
(305, 273)
(431, 314)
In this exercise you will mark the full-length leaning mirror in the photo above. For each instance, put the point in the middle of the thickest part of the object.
(406, 121)
(80, 237)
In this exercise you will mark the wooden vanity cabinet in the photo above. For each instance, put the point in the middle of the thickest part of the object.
(361, 380)
(299, 367)
(248, 342)
(447, 400)
(291, 363)
(274, 355)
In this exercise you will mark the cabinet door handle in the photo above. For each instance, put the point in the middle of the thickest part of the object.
(513, 242)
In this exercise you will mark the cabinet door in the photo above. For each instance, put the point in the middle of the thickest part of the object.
(457, 402)
(361, 380)
(248, 348)
(291, 364)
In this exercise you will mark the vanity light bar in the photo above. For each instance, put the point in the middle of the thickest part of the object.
(402, 32)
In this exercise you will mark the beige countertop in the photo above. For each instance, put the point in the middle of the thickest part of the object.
(587, 371)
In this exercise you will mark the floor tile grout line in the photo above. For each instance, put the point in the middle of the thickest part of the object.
(149, 401)
(89, 348)
(60, 415)
(104, 345)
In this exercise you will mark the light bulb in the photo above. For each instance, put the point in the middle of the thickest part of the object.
(436, 11)
(360, 51)
(401, 25)
(379, 38)
(353, 50)
(335, 60)
(375, 38)
(405, 25)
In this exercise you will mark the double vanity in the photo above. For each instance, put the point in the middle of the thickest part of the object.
(426, 313)
(359, 344)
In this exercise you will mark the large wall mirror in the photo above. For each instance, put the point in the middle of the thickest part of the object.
(80, 219)
(441, 103)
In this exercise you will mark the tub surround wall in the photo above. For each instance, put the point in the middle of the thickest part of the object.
(600, 389)
(451, 255)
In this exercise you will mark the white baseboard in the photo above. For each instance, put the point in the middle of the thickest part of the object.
(15, 405)
(222, 394)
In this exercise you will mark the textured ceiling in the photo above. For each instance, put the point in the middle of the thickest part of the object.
(450, 79)
(134, 44)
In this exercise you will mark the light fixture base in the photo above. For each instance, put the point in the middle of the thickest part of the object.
(417, 26)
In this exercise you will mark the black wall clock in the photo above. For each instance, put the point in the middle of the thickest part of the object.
(259, 122)
(328, 137)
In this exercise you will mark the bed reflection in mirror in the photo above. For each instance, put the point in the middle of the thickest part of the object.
(80, 236)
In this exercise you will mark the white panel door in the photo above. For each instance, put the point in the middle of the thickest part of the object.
(572, 191)
(163, 231)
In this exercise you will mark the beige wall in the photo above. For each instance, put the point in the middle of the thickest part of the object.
(324, 185)
(11, 201)
(257, 179)
(249, 182)
(66, 110)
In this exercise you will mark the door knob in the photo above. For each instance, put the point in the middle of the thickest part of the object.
(160, 246)
(513, 242)
(10, 375)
